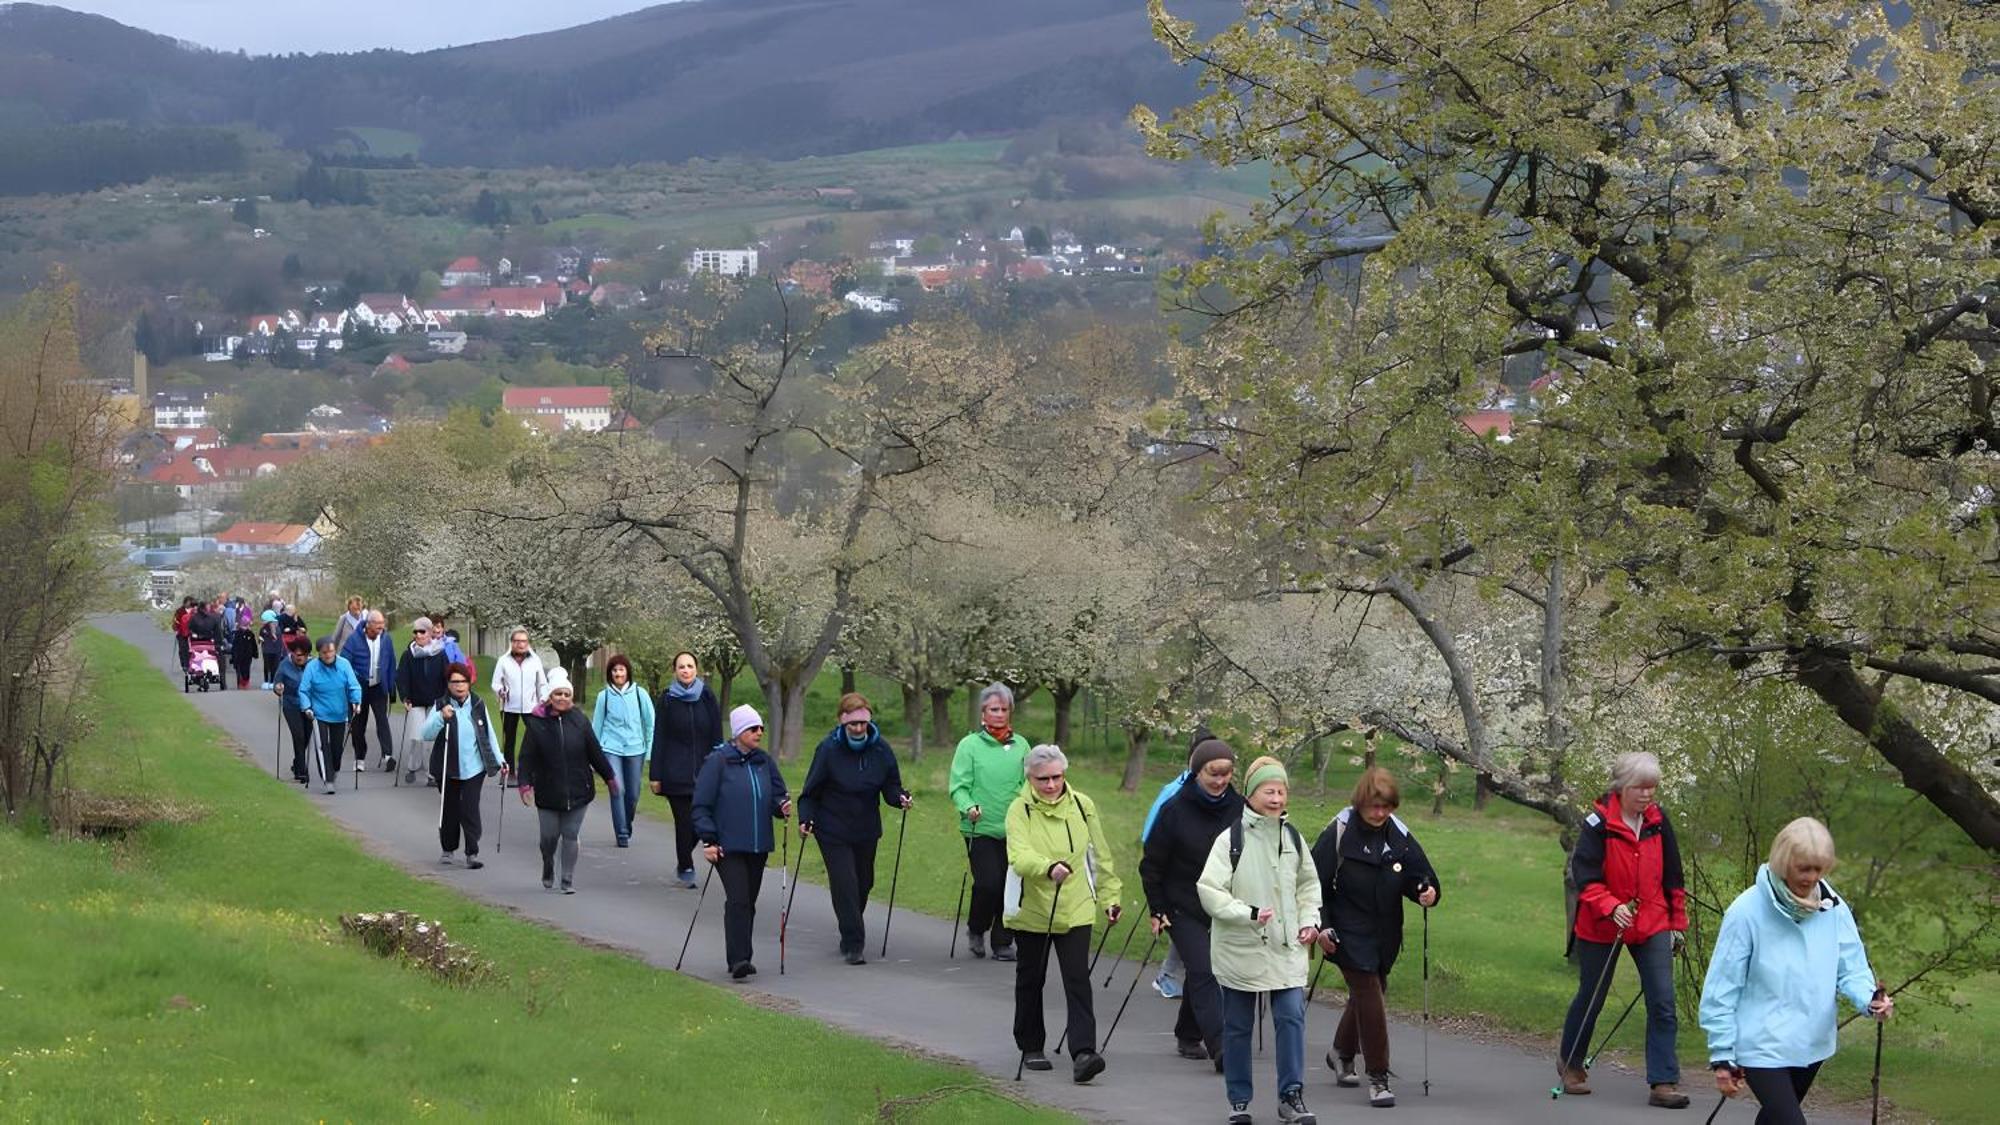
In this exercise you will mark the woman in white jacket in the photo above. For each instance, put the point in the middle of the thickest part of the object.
(1786, 947)
(520, 684)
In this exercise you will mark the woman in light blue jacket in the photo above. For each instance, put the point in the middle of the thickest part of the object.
(623, 719)
(1787, 945)
(330, 695)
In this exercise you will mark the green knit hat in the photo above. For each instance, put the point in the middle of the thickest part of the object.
(1265, 769)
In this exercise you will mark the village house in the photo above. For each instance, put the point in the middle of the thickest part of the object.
(558, 408)
(252, 538)
(180, 409)
(207, 476)
(388, 313)
(872, 302)
(464, 272)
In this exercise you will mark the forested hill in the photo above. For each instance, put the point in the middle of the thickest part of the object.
(775, 78)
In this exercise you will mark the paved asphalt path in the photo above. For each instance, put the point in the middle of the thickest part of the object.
(958, 1008)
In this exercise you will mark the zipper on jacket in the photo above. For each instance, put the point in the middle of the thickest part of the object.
(756, 802)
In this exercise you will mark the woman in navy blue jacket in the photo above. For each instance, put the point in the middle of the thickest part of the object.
(852, 767)
(737, 793)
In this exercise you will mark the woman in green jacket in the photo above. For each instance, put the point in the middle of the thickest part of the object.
(1054, 835)
(1262, 889)
(985, 776)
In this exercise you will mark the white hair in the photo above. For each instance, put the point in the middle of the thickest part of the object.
(1634, 767)
(1043, 755)
(997, 691)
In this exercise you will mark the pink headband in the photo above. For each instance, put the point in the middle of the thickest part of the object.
(860, 715)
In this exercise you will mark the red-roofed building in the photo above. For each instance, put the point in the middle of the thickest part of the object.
(520, 301)
(394, 365)
(466, 271)
(249, 538)
(1498, 424)
(192, 437)
(579, 408)
(220, 471)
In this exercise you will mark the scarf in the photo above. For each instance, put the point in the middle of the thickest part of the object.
(1211, 800)
(430, 648)
(687, 694)
(859, 744)
(1795, 908)
(1001, 734)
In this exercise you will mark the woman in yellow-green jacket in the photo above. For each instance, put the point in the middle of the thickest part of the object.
(1059, 877)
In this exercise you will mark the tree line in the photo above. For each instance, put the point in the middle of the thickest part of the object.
(77, 158)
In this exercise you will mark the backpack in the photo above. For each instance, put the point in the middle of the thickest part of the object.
(1236, 842)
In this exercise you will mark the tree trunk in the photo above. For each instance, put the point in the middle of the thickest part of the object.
(787, 719)
(1137, 736)
(941, 715)
(913, 718)
(1064, 692)
(1925, 769)
(846, 678)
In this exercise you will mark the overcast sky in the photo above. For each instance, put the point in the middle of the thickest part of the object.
(282, 26)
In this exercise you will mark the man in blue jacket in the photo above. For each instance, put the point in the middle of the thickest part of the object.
(372, 655)
(330, 695)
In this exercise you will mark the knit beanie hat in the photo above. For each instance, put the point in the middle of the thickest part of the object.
(559, 681)
(1208, 750)
(1265, 769)
(743, 718)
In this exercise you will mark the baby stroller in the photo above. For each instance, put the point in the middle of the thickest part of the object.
(203, 669)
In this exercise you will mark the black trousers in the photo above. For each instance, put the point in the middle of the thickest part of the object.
(988, 858)
(1200, 1017)
(850, 876)
(1072, 952)
(332, 737)
(461, 814)
(373, 700)
(301, 729)
(682, 806)
(742, 878)
(1779, 1091)
(271, 667)
(510, 722)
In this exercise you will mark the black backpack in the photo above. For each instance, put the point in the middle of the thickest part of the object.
(1236, 842)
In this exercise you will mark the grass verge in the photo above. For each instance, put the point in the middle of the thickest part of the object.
(195, 971)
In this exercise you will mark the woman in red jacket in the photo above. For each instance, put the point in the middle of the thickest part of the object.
(1627, 870)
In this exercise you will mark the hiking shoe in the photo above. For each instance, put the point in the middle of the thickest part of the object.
(1003, 953)
(1343, 1071)
(1667, 1095)
(568, 888)
(977, 944)
(1575, 1081)
(1195, 1050)
(1239, 1114)
(854, 957)
(742, 969)
(686, 878)
(388, 764)
(474, 863)
(624, 841)
(1292, 1108)
(445, 859)
(1167, 986)
(1089, 1064)
(1379, 1094)
(1035, 1060)
(330, 789)
(409, 777)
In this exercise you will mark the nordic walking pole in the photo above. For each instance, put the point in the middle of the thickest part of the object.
(785, 918)
(1122, 950)
(1090, 972)
(1427, 996)
(692, 917)
(902, 827)
(1048, 954)
(957, 911)
(1143, 962)
(278, 744)
(1603, 981)
(403, 744)
(499, 829)
(1875, 1079)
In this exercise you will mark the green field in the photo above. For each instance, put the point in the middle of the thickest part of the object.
(195, 971)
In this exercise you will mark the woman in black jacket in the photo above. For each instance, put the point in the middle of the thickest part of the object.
(555, 768)
(687, 725)
(851, 769)
(1176, 850)
(1368, 864)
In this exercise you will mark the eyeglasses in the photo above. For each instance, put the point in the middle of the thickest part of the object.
(747, 730)
(420, 632)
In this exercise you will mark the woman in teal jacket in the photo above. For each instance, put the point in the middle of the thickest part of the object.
(1786, 946)
(329, 695)
(623, 720)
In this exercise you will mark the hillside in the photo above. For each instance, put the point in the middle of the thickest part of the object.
(768, 78)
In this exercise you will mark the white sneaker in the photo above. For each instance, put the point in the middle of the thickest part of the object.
(331, 789)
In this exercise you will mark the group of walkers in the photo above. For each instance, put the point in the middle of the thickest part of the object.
(1229, 882)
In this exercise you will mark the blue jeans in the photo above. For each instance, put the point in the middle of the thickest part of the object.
(1655, 958)
(631, 773)
(1239, 1020)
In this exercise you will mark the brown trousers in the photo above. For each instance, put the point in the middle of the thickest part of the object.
(1365, 1023)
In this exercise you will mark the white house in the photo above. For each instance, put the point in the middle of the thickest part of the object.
(388, 313)
(729, 263)
(872, 302)
(560, 408)
(175, 410)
